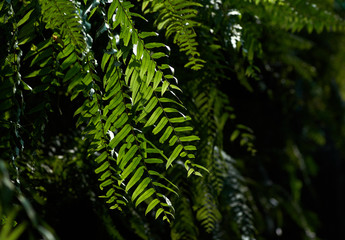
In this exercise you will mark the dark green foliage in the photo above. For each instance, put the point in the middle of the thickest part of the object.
(99, 108)
(177, 17)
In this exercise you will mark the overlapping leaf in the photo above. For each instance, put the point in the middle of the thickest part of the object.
(177, 18)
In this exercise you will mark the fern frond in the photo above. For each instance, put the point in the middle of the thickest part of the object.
(132, 161)
(62, 15)
(93, 114)
(236, 195)
(210, 114)
(214, 111)
(206, 206)
(177, 18)
(124, 100)
(160, 117)
(185, 225)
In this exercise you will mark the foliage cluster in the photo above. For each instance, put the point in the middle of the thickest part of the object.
(178, 116)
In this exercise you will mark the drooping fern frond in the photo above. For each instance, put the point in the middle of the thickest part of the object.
(63, 19)
(185, 226)
(212, 111)
(237, 196)
(206, 206)
(133, 131)
(62, 15)
(210, 115)
(131, 94)
(177, 17)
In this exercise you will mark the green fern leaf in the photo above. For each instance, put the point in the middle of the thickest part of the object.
(175, 17)
(151, 206)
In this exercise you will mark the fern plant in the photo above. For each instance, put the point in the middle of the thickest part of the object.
(130, 113)
(144, 128)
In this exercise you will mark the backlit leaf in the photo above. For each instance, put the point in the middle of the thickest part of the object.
(102, 168)
(155, 115)
(25, 18)
(144, 196)
(189, 138)
(174, 155)
(140, 188)
(160, 125)
(130, 168)
(135, 178)
(120, 136)
(151, 206)
(166, 134)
